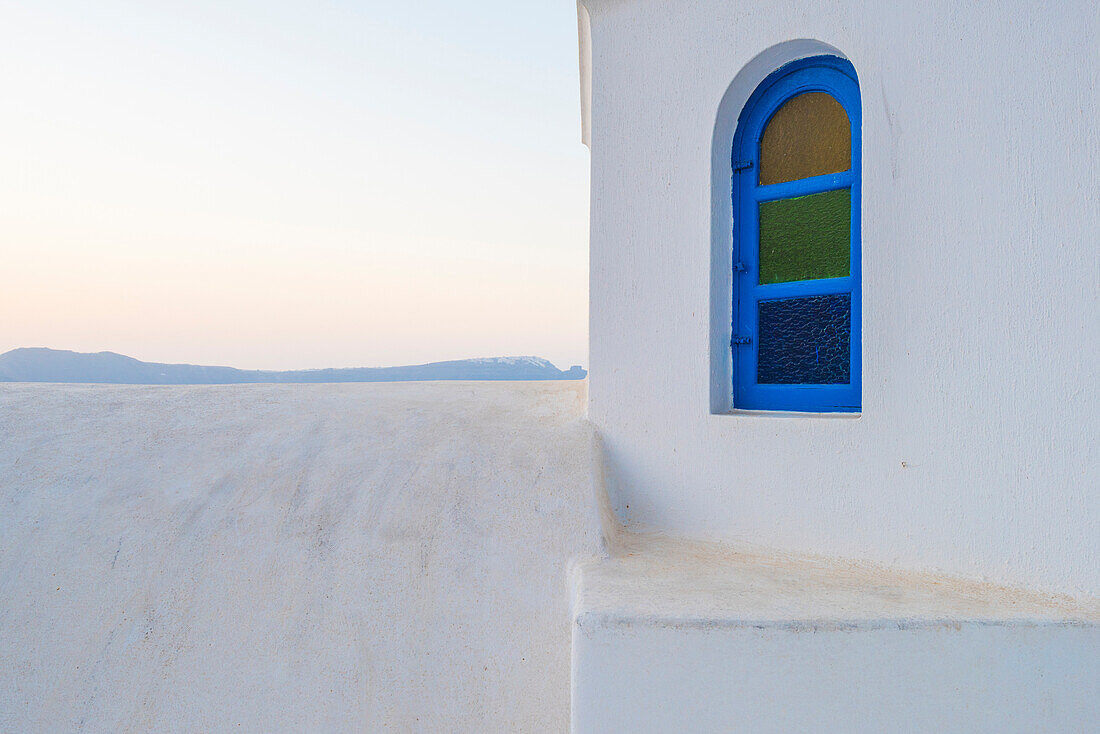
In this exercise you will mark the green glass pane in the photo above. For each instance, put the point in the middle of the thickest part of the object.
(810, 135)
(806, 238)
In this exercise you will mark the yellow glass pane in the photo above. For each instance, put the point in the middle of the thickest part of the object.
(808, 136)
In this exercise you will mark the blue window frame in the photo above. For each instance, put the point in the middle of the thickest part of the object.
(796, 337)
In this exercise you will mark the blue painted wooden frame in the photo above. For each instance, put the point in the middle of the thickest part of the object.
(837, 77)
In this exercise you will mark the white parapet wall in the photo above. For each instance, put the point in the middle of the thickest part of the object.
(307, 558)
(676, 636)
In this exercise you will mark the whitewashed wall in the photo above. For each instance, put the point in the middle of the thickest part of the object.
(976, 452)
(291, 558)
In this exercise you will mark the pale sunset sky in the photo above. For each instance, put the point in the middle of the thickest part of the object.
(293, 184)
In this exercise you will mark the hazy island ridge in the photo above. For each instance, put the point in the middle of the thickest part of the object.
(40, 364)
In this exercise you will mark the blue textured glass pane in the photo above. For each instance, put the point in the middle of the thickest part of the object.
(805, 341)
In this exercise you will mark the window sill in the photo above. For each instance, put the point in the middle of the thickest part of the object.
(789, 414)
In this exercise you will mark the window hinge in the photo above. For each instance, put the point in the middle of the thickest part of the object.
(739, 267)
(739, 166)
(736, 340)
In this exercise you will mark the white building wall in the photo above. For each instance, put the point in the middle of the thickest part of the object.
(952, 679)
(976, 452)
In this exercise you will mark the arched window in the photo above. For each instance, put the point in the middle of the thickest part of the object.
(796, 254)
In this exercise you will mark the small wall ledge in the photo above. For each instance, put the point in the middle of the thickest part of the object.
(668, 631)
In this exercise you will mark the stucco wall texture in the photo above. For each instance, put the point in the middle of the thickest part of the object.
(978, 448)
(387, 557)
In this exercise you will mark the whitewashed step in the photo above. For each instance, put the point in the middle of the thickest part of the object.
(673, 636)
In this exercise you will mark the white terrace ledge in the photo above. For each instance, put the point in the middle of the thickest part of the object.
(672, 631)
(651, 579)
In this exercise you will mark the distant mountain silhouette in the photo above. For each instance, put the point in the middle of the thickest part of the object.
(57, 365)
